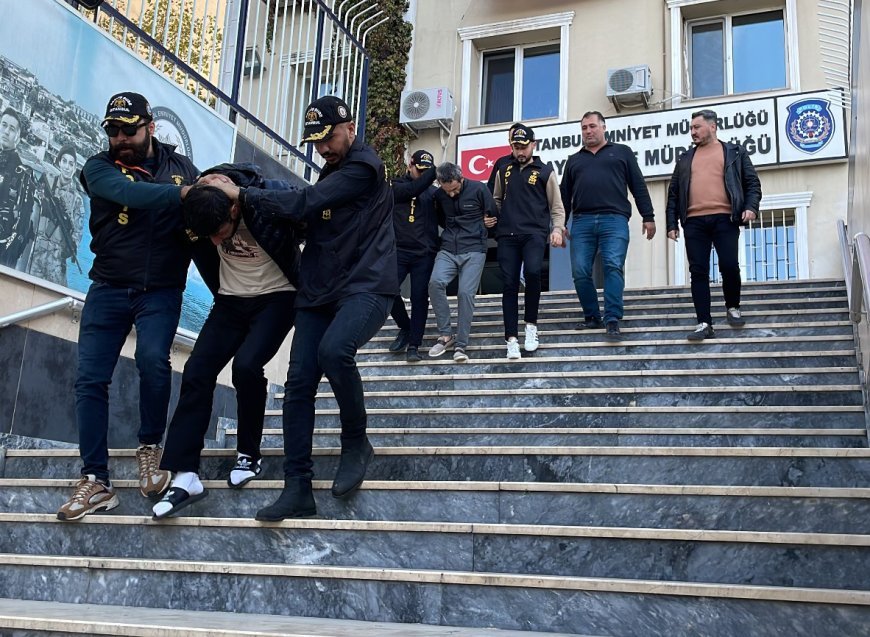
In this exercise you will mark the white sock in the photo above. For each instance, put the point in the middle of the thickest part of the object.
(186, 480)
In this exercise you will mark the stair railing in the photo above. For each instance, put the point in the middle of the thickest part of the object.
(856, 268)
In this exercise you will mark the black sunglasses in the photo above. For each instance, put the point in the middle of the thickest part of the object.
(129, 130)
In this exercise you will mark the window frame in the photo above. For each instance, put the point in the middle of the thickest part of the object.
(679, 44)
(518, 52)
(474, 47)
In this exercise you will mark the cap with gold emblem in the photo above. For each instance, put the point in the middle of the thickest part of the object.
(522, 135)
(321, 116)
(422, 159)
(128, 108)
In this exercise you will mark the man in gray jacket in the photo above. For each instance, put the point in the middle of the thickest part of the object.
(465, 209)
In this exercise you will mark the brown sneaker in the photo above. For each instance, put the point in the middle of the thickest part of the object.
(152, 480)
(89, 496)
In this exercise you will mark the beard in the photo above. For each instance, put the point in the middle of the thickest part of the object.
(131, 153)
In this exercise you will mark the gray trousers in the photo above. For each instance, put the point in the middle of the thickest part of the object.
(469, 267)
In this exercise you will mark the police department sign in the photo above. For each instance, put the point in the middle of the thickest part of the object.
(169, 129)
(773, 131)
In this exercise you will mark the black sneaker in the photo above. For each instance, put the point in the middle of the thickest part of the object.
(704, 330)
(591, 323)
(613, 334)
(734, 317)
(413, 354)
(400, 342)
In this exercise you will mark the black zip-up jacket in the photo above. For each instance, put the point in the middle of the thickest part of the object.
(350, 245)
(741, 184)
(414, 219)
(279, 238)
(136, 222)
(462, 217)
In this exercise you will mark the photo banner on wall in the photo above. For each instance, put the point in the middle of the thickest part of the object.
(57, 72)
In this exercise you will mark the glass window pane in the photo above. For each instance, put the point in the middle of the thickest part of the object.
(498, 88)
(708, 55)
(758, 50)
(540, 83)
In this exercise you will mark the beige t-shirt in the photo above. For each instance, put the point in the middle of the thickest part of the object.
(707, 194)
(246, 269)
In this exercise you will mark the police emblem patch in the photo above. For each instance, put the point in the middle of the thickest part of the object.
(810, 124)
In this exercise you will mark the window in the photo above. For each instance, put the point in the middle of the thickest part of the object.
(768, 248)
(253, 64)
(520, 84)
(737, 54)
(515, 70)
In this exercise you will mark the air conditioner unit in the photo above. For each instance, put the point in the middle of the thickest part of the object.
(629, 86)
(426, 108)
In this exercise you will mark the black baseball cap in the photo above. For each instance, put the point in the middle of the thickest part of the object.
(422, 159)
(321, 116)
(128, 108)
(522, 135)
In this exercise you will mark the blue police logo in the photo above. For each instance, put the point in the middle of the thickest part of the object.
(810, 124)
(169, 129)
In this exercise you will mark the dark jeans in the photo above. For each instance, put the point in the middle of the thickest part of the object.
(419, 266)
(703, 233)
(249, 330)
(325, 342)
(513, 252)
(109, 314)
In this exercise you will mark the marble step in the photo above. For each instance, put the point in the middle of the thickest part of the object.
(575, 605)
(741, 508)
(546, 334)
(722, 396)
(761, 466)
(509, 380)
(611, 360)
(642, 347)
(578, 436)
(34, 617)
(811, 560)
(741, 416)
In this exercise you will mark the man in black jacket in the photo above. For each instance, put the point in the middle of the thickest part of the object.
(416, 243)
(251, 265)
(713, 191)
(141, 256)
(531, 215)
(347, 284)
(467, 210)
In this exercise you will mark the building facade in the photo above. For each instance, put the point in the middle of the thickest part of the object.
(647, 65)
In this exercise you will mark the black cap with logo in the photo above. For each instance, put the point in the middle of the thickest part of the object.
(321, 116)
(128, 108)
(422, 159)
(522, 135)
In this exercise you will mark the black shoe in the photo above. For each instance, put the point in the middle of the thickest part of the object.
(413, 354)
(352, 469)
(295, 501)
(591, 323)
(734, 317)
(704, 330)
(400, 342)
(613, 334)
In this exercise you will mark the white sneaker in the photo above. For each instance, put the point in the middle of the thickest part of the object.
(531, 343)
(513, 349)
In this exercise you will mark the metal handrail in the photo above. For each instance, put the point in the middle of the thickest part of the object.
(51, 307)
(860, 276)
(846, 255)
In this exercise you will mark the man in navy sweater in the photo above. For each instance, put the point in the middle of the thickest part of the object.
(594, 191)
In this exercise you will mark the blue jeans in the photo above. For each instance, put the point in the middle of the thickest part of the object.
(109, 314)
(326, 340)
(607, 234)
(419, 266)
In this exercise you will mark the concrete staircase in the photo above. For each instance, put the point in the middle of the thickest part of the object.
(652, 487)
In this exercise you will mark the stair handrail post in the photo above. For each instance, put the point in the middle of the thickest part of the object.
(846, 255)
(860, 275)
(51, 307)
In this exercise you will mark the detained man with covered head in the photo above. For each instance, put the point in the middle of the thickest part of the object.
(251, 264)
(347, 285)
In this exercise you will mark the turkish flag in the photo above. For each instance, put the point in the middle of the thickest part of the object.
(477, 163)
